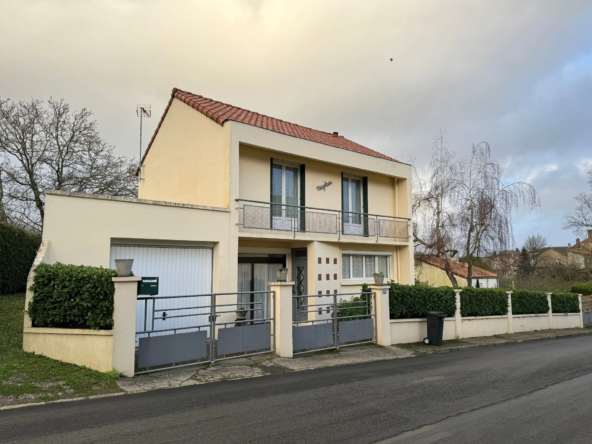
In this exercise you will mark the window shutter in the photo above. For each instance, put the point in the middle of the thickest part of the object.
(365, 204)
(302, 197)
(270, 192)
(342, 204)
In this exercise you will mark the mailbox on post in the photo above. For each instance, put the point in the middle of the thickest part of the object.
(148, 286)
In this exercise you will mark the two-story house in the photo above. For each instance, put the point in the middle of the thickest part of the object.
(226, 196)
(333, 211)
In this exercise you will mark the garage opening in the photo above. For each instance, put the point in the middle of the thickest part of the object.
(182, 271)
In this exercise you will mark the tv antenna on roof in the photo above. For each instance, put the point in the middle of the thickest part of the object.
(143, 111)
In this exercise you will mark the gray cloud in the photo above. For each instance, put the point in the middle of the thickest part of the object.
(517, 74)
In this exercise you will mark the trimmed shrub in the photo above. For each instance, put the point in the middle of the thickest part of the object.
(565, 303)
(357, 306)
(483, 302)
(72, 296)
(529, 302)
(414, 301)
(582, 288)
(18, 248)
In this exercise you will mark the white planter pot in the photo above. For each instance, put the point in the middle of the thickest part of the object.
(124, 267)
(378, 278)
(281, 274)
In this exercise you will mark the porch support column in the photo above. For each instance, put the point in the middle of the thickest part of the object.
(124, 324)
(383, 321)
(282, 294)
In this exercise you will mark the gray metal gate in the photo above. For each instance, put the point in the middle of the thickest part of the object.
(209, 328)
(334, 321)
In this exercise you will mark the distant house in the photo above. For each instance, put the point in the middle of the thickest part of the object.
(504, 263)
(580, 254)
(430, 270)
(553, 256)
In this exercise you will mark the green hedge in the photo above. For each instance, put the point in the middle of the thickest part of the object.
(483, 302)
(414, 301)
(582, 288)
(18, 248)
(529, 302)
(72, 296)
(565, 303)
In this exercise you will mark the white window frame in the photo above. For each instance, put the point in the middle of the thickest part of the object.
(363, 255)
(284, 221)
(350, 226)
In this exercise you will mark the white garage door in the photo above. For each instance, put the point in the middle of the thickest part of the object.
(181, 271)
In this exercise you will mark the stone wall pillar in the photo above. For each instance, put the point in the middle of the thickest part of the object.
(124, 324)
(383, 321)
(550, 311)
(284, 346)
(458, 315)
(581, 313)
(510, 318)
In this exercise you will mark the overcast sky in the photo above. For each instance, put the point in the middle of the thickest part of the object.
(517, 74)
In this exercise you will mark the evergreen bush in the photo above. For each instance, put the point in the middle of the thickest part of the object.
(582, 288)
(565, 303)
(483, 302)
(414, 301)
(18, 249)
(529, 302)
(72, 296)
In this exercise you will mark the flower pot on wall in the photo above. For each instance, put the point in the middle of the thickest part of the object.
(379, 278)
(281, 274)
(124, 267)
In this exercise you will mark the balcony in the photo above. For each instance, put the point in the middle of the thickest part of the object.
(294, 219)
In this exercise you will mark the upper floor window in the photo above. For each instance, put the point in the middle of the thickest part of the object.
(354, 204)
(285, 194)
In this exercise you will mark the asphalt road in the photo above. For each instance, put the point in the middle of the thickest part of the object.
(539, 392)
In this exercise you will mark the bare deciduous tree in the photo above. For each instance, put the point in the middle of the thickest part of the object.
(434, 206)
(465, 205)
(49, 146)
(535, 245)
(580, 219)
(486, 205)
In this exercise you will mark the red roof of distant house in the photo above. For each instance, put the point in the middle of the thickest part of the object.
(459, 269)
(221, 112)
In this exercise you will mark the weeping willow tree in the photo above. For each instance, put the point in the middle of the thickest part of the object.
(465, 205)
(486, 203)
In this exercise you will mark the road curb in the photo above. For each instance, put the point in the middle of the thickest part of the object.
(496, 344)
(82, 398)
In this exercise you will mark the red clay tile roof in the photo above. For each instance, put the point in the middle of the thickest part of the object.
(459, 269)
(221, 112)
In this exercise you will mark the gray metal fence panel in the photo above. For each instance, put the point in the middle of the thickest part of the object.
(587, 318)
(160, 350)
(243, 339)
(312, 336)
(358, 330)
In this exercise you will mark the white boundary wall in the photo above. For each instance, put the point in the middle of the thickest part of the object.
(405, 331)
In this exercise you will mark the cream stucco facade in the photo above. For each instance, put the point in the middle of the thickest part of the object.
(193, 184)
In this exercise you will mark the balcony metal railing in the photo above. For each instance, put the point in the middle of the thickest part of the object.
(297, 219)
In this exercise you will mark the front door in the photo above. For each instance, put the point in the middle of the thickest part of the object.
(284, 196)
(299, 277)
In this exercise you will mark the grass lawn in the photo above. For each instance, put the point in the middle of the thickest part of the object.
(26, 377)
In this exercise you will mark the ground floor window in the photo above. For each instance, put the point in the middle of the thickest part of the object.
(362, 266)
